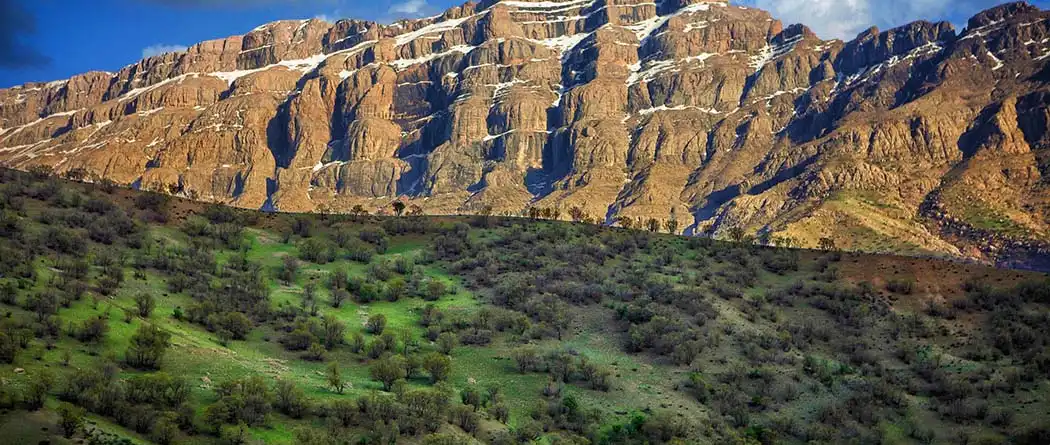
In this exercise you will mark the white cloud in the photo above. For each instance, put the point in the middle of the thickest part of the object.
(156, 50)
(410, 8)
(844, 19)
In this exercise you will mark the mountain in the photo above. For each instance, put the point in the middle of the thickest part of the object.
(918, 140)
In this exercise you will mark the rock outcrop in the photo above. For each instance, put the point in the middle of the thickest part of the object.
(918, 139)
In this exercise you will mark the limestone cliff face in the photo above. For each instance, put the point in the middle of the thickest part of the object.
(919, 139)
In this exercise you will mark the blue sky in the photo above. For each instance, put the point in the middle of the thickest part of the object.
(43, 40)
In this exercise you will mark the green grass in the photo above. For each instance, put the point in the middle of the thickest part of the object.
(986, 218)
(647, 383)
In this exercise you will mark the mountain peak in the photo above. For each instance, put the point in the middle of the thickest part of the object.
(1002, 12)
(715, 114)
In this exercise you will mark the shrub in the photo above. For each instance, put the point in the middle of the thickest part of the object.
(288, 269)
(145, 303)
(316, 250)
(375, 236)
(70, 419)
(388, 370)
(290, 399)
(376, 324)
(93, 330)
(438, 366)
(527, 359)
(403, 265)
(360, 251)
(446, 342)
(335, 378)
(900, 286)
(148, 345)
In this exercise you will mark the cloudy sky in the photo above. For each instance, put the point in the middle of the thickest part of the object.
(43, 40)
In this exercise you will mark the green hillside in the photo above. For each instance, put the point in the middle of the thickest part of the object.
(137, 318)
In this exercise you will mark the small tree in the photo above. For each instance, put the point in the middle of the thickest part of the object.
(70, 419)
(315, 353)
(145, 303)
(399, 208)
(148, 345)
(471, 396)
(375, 324)
(357, 342)
(408, 340)
(671, 225)
(93, 330)
(165, 429)
(500, 412)
(8, 293)
(388, 370)
(826, 243)
(435, 290)
(290, 399)
(626, 222)
(526, 359)
(288, 270)
(335, 378)
(339, 279)
(446, 342)
(577, 214)
(737, 234)
(309, 298)
(396, 289)
(439, 366)
(334, 331)
(39, 386)
(234, 434)
(653, 225)
(338, 297)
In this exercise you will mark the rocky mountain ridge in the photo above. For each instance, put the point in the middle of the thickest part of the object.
(919, 139)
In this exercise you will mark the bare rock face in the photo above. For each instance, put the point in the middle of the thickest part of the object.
(918, 139)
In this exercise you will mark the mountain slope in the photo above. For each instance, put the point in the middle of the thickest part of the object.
(916, 139)
(172, 321)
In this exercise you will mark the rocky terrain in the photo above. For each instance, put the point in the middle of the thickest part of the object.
(920, 139)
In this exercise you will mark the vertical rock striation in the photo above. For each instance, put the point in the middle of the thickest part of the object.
(918, 139)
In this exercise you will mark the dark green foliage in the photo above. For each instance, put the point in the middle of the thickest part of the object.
(148, 345)
(145, 303)
(375, 236)
(376, 324)
(438, 366)
(93, 330)
(904, 287)
(247, 401)
(290, 399)
(335, 378)
(758, 345)
(70, 419)
(8, 347)
(446, 342)
(288, 269)
(234, 324)
(155, 203)
(388, 370)
(360, 251)
(316, 250)
(40, 386)
(165, 428)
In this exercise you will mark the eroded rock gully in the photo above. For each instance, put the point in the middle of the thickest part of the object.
(920, 139)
